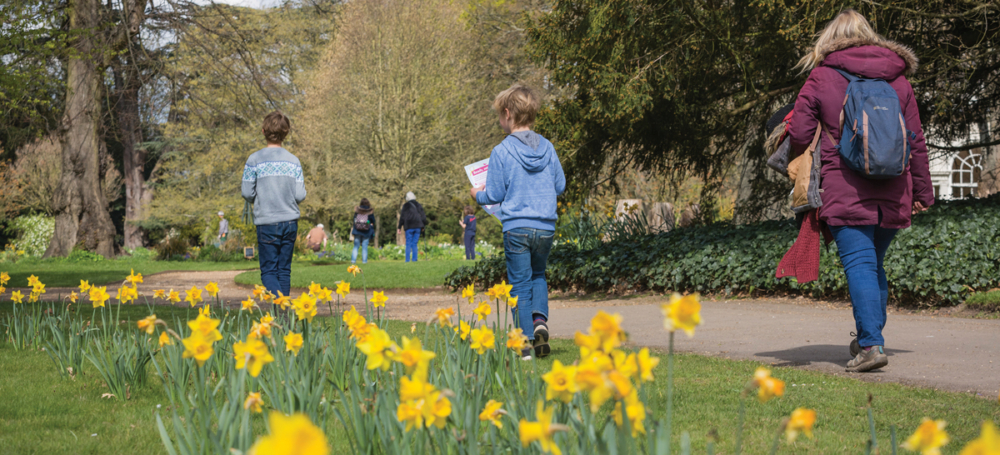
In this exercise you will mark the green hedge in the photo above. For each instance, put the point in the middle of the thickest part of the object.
(951, 250)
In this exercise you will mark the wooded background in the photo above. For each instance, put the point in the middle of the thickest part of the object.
(127, 120)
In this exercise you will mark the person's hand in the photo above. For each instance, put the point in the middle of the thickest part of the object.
(918, 207)
(476, 189)
(399, 231)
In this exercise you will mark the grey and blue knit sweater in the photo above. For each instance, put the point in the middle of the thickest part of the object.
(273, 183)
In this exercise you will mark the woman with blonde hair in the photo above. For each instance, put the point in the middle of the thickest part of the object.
(863, 214)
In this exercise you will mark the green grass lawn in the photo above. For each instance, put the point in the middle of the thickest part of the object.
(43, 413)
(62, 273)
(379, 274)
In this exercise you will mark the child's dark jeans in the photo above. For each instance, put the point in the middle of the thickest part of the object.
(527, 252)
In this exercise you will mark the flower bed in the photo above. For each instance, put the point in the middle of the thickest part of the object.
(950, 251)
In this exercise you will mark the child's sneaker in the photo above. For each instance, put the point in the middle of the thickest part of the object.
(541, 342)
(867, 360)
(526, 354)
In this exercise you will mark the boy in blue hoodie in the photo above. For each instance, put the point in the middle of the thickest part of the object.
(525, 177)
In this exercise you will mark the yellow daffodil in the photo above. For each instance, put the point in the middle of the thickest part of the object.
(588, 344)
(414, 358)
(262, 328)
(324, 295)
(635, 411)
(928, 439)
(160, 294)
(32, 298)
(99, 295)
(483, 310)
(16, 297)
(199, 347)
(84, 286)
(292, 435)
(293, 342)
(414, 389)
(682, 313)
(248, 304)
(38, 288)
(127, 294)
(305, 307)
(469, 293)
(512, 301)
(607, 327)
(503, 290)
(560, 382)
(206, 326)
(174, 296)
(343, 288)
(148, 324)
(134, 278)
(205, 311)
(591, 376)
(625, 363)
(542, 431)
(165, 340)
(378, 299)
(314, 288)
(463, 329)
(259, 292)
(193, 296)
(212, 289)
(801, 421)
(282, 301)
(73, 296)
(646, 364)
(437, 410)
(622, 386)
(482, 340)
(767, 386)
(32, 280)
(252, 355)
(411, 413)
(254, 403)
(491, 413)
(375, 347)
(444, 315)
(353, 270)
(494, 292)
(516, 340)
(4, 278)
(988, 442)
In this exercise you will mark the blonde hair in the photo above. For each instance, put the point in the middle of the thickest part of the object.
(848, 24)
(521, 102)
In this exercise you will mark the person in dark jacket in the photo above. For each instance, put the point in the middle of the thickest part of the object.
(412, 219)
(863, 215)
(363, 229)
(468, 223)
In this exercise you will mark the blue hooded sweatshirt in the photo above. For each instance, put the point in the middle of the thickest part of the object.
(524, 177)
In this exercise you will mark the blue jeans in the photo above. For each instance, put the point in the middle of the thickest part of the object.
(862, 251)
(276, 243)
(412, 236)
(361, 241)
(470, 245)
(527, 252)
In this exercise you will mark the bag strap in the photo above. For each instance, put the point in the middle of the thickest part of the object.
(850, 77)
(819, 131)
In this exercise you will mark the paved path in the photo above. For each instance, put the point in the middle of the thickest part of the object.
(949, 353)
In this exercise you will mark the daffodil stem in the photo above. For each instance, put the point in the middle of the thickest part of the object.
(892, 438)
(871, 426)
(670, 387)
(777, 441)
(739, 426)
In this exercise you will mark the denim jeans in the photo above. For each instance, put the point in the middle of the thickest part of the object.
(412, 236)
(527, 252)
(862, 251)
(361, 241)
(276, 243)
(470, 245)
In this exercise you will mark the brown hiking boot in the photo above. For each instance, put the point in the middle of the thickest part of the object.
(871, 359)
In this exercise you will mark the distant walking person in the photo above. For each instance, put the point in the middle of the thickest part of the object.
(525, 178)
(273, 182)
(223, 228)
(413, 220)
(468, 223)
(863, 213)
(316, 238)
(363, 230)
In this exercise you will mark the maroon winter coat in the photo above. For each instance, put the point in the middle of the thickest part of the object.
(850, 199)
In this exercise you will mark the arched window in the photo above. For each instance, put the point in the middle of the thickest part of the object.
(965, 174)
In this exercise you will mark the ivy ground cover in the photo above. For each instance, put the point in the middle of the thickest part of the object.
(203, 379)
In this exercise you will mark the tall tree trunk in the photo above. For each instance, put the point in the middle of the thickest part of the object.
(81, 210)
(127, 86)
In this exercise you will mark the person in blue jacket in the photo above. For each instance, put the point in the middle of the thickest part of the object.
(525, 177)
(468, 223)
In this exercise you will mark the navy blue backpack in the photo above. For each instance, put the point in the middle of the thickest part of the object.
(874, 139)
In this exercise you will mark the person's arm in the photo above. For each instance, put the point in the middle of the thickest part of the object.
(560, 176)
(423, 217)
(920, 174)
(249, 186)
(399, 224)
(300, 186)
(805, 118)
(461, 222)
(495, 189)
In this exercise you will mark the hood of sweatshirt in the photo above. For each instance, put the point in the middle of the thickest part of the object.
(529, 150)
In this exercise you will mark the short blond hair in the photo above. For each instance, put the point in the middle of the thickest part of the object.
(848, 24)
(522, 103)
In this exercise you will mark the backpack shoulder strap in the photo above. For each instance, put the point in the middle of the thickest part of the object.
(850, 77)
